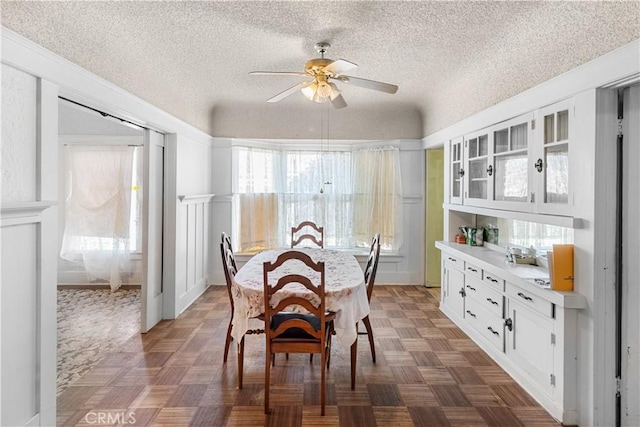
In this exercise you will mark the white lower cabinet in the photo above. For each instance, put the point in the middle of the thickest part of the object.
(529, 331)
(530, 344)
(454, 285)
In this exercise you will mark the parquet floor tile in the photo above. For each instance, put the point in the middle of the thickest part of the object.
(428, 373)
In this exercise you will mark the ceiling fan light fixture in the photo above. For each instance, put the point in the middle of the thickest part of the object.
(310, 91)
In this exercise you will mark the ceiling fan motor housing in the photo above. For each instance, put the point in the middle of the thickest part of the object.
(315, 66)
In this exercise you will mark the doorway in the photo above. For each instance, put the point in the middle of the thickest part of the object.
(434, 221)
(110, 235)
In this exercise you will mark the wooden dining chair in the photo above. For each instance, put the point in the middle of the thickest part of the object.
(317, 238)
(288, 332)
(369, 278)
(230, 270)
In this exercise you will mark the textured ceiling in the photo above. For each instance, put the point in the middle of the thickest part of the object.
(450, 59)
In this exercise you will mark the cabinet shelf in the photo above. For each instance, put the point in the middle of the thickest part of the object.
(562, 221)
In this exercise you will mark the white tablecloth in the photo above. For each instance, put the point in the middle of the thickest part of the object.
(345, 289)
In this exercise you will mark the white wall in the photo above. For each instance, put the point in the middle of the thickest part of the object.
(28, 240)
(191, 217)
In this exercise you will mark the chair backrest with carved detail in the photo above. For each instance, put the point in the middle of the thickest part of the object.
(371, 267)
(276, 299)
(228, 263)
(317, 238)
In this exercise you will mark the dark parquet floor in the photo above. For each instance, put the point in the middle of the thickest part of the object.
(428, 373)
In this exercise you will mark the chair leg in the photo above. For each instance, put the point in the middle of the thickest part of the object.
(228, 341)
(323, 383)
(240, 362)
(267, 380)
(354, 354)
(367, 325)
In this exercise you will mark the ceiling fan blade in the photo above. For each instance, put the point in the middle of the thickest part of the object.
(368, 84)
(278, 73)
(290, 91)
(339, 66)
(338, 102)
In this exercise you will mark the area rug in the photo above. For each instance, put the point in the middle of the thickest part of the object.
(91, 324)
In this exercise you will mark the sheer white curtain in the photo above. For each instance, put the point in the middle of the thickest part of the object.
(377, 188)
(318, 188)
(98, 208)
(278, 189)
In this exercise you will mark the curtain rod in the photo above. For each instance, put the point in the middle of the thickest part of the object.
(103, 114)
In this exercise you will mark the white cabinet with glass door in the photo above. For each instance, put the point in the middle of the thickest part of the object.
(478, 190)
(456, 171)
(551, 159)
(509, 159)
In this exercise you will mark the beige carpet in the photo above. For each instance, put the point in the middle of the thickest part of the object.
(91, 324)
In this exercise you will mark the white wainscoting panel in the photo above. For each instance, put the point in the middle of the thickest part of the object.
(192, 243)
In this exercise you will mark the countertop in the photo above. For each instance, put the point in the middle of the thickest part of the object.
(521, 275)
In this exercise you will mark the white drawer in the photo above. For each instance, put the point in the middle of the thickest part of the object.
(472, 271)
(493, 280)
(453, 262)
(490, 326)
(486, 296)
(530, 300)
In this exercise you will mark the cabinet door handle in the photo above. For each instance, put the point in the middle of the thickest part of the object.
(492, 279)
(461, 172)
(471, 287)
(526, 298)
(492, 301)
(538, 165)
(490, 170)
(472, 269)
(509, 324)
(471, 314)
(493, 332)
(462, 292)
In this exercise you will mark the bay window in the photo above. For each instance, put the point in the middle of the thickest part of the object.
(352, 194)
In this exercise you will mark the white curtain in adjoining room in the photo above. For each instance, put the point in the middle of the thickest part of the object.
(377, 192)
(98, 210)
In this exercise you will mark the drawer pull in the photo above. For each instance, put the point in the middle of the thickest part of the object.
(453, 259)
(493, 332)
(471, 287)
(472, 269)
(471, 314)
(492, 301)
(526, 298)
(492, 279)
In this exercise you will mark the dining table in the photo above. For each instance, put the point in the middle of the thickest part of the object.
(345, 289)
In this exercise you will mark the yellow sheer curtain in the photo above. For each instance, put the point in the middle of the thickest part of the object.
(377, 197)
(259, 221)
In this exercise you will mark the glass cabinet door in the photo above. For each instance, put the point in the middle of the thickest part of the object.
(552, 165)
(510, 164)
(456, 172)
(479, 170)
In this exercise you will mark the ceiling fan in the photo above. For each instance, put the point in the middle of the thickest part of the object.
(321, 71)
